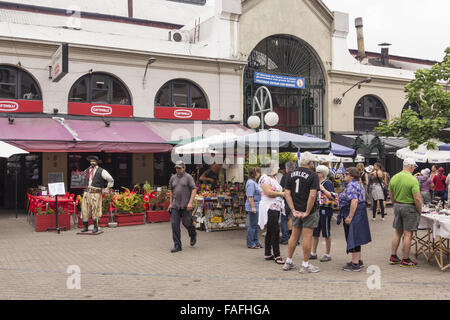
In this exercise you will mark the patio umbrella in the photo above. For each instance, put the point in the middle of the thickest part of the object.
(273, 138)
(421, 154)
(203, 145)
(7, 150)
(336, 149)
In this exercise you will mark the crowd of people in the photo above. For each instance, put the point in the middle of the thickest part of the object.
(300, 204)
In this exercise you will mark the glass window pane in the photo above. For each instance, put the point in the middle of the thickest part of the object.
(162, 97)
(180, 94)
(7, 75)
(120, 95)
(7, 91)
(100, 82)
(28, 88)
(79, 92)
(100, 96)
(198, 100)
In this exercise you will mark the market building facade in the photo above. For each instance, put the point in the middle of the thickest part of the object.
(135, 84)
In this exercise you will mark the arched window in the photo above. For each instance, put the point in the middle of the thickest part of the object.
(180, 94)
(18, 84)
(369, 111)
(414, 107)
(99, 88)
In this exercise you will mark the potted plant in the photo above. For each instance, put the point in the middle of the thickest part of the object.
(107, 207)
(130, 208)
(158, 205)
(47, 219)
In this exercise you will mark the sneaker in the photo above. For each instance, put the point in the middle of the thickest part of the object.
(408, 263)
(352, 267)
(325, 258)
(193, 240)
(175, 249)
(284, 242)
(313, 257)
(394, 260)
(309, 269)
(373, 219)
(382, 219)
(288, 266)
(360, 263)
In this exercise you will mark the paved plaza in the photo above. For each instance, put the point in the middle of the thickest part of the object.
(135, 263)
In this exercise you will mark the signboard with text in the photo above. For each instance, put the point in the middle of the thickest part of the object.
(17, 106)
(100, 110)
(78, 179)
(60, 62)
(275, 80)
(181, 113)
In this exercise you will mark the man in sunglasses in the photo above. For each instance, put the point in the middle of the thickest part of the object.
(182, 193)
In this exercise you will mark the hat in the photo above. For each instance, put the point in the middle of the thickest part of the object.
(441, 170)
(95, 158)
(369, 169)
(409, 162)
(180, 164)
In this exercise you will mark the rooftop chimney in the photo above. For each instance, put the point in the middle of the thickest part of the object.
(360, 36)
(385, 53)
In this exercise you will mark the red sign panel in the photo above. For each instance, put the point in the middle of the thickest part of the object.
(16, 106)
(181, 113)
(100, 110)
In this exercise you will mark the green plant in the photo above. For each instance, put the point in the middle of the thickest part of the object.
(49, 211)
(128, 202)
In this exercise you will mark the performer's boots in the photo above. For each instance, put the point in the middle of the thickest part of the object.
(95, 227)
(86, 226)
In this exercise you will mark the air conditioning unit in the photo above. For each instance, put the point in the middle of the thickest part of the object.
(180, 36)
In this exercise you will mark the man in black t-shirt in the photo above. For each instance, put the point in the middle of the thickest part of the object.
(301, 193)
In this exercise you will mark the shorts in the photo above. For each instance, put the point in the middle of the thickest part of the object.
(310, 222)
(324, 226)
(406, 217)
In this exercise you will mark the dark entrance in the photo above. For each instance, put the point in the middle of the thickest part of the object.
(300, 110)
(19, 172)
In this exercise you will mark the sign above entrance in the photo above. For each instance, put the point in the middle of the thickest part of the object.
(14, 106)
(181, 113)
(279, 81)
(100, 110)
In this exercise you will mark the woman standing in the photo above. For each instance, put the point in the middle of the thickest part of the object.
(270, 208)
(377, 183)
(253, 193)
(425, 186)
(352, 202)
(364, 179)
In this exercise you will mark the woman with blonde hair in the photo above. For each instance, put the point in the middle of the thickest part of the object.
(270, 208)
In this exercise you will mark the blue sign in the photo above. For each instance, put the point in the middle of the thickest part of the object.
(279, 81)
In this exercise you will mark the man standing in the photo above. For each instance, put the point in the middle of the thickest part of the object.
(182, 193)
(92, 197)
(285, 219)
(404, 191)
(301, 193)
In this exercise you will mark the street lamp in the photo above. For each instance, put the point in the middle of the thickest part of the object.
(262, 96)
(359, 83)
(150, 61)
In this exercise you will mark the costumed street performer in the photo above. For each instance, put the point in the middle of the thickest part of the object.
(92, 197)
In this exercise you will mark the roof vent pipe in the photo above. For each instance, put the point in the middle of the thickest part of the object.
(385, 53)
(360, 36)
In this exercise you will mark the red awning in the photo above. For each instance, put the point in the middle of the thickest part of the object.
(51, 135)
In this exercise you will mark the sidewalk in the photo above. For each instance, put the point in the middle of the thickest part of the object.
(135, 263)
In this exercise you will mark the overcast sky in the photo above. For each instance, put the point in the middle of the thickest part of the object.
(415, 28)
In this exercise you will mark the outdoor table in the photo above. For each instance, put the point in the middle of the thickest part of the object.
(50, 200)
(436, 242)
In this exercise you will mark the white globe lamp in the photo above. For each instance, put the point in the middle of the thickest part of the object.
(271, 119)
(254, 122)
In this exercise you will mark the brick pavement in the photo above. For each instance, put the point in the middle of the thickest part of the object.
(135, 263)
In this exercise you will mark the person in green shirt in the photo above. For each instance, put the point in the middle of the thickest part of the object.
(404, 191)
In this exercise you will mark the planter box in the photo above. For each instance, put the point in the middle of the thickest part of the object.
(48, 221)
(129, 219)
(103, 222)
(158, 216)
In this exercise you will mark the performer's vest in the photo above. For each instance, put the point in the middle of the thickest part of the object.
(97, 180)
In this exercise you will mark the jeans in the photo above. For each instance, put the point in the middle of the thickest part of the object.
(176, 216)
(374, 208)
(252, 230)
(284, 228)
(272, 240)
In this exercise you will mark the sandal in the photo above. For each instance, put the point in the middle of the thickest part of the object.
(269, 257)
(279, 260)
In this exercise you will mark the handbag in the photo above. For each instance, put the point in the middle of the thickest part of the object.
(383, 187)
(324, 201)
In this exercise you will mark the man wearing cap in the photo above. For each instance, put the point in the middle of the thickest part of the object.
(404, 191)
(439, 184)
(182, 193)
(92, 197)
